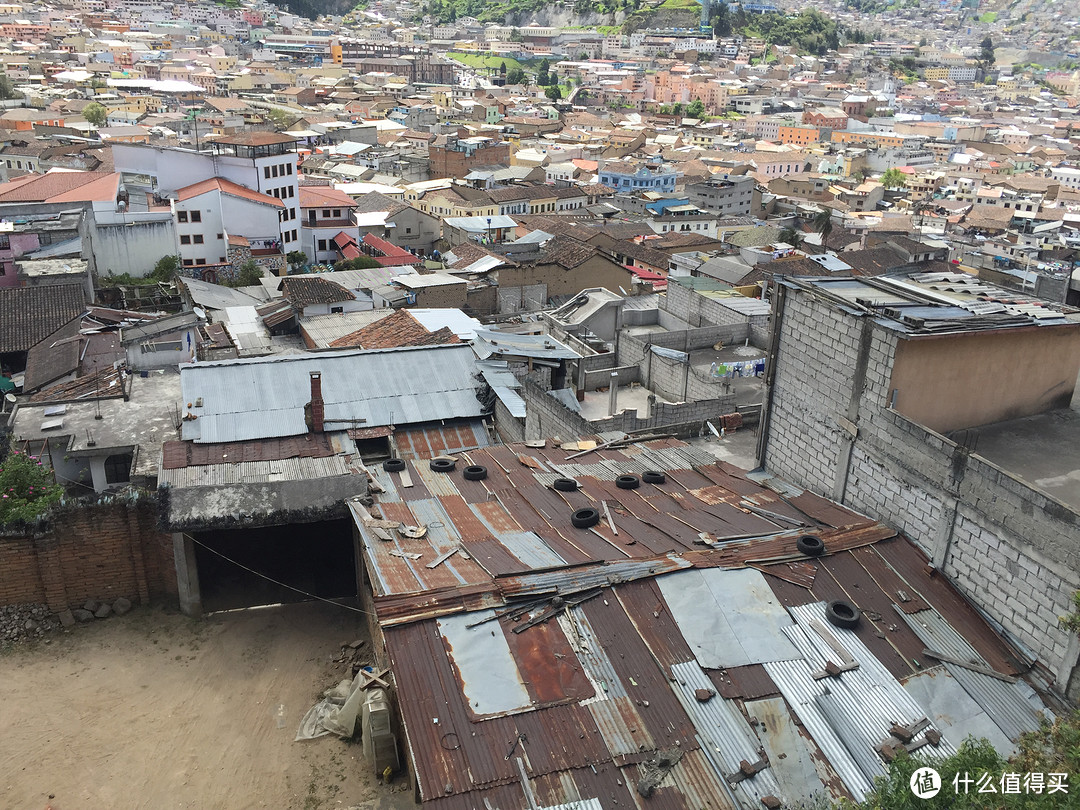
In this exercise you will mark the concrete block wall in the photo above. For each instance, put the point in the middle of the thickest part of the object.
(509, 427)
(1008, 547)
(811, 388)
(632, 348)
(95, 552)
(601, 378)
(699, 310)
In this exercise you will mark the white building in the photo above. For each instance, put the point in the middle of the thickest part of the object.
(325, 213)
(209, 212)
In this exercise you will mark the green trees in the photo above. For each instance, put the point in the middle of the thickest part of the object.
(296, 259)
(823, 225)
(543, 78)
(696, 108)
(792, 237)
(7, 90)
(515, 76)
(553, 92)
(27, 489)
(248, 275)
(893, 178)
(281, 119)
(359, 263)
(95, 113)
(166, 268)
(986, 53)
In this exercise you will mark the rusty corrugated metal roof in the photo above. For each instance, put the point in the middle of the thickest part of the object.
(583, 626)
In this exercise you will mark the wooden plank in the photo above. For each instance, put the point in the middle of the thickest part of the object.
(948, 659)
(446, 555)
(406, 479)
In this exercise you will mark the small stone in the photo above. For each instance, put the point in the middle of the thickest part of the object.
(82, 615)
(771, 802)
(31, 625)
(91, 605)
(121, 606)
(103, 612)
(933, 735)
(66, 619)
(703, 695)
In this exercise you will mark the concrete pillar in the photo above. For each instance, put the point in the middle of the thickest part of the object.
(187, 575)
(613, 394)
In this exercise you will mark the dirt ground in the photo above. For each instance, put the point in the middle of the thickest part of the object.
(155, 710)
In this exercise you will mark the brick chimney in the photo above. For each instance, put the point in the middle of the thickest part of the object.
(318, 409)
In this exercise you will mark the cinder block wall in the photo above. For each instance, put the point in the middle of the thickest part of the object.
(1010, 548)
(96, 552)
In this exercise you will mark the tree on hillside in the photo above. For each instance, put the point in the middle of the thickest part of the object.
(720, 19)
(95, 113)
(166, 269)
(893, 178)
(986, 53)
(696, 108)
(281, 119)
(542, 77)
(296, 259)
(248, 275)
(502, 69)
(7, 90)
(515, 76)
(553, 92)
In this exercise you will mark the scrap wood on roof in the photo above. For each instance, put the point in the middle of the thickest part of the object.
(595, 655)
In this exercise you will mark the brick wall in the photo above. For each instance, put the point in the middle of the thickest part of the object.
(1010, 548)
(632, 348)
(697, 310)
(94, 552)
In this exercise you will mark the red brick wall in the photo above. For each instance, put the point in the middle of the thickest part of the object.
(98, 552)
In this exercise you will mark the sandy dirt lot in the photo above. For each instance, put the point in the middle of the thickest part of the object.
(155, 710)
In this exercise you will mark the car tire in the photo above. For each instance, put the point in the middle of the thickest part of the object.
(585, 518)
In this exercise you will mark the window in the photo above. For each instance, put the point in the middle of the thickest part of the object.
(185, 240)
(275, 192)
(221, 260)
(196, 216)
(118, 469)
(273, 171)
(326, 213)
(288, 168)
(200, 261)
(188, 262)
(337, 213)
(293, 232)
(292, 213)
(197, 239)
(337, 310)
(321, 244)
(286, 237)
(181, 216)
(292, 191)
(408, 230)
(266, 172)
(221, 236)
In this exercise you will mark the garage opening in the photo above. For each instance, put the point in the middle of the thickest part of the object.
(316, 558)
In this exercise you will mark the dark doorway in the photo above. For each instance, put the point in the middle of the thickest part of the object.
(314, 557)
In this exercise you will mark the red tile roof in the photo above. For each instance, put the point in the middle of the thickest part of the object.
(324, 197)
(399, 329)
(227, 187)
(61, 187)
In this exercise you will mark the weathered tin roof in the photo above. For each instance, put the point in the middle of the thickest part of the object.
(541, 661)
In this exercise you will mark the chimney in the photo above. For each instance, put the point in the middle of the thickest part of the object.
(317, 406)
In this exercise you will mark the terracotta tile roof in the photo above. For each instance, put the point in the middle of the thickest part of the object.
(303, 291)
(567, 252)
(399, 329)
(375, 202)
(57, 185)
(324, 197)
(30, 314)
(226, 187)
(54, 357)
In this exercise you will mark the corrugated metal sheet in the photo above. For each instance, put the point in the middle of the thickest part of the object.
(258, 472)
(793, 758)
(428, 441)
(728, 617)
(1014, 707)
(801, 692)
(261, 398)
(574, 580)
(490, 680)
(724, 732)
(954, 711)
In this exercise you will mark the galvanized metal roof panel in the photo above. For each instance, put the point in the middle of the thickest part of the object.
(724, 731)
(261, 398)
(954, 711)
(728, 617)
(490, 680)
(1014, 707)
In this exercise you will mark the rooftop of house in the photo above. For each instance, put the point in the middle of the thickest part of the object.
(399, 329)
(1042, 450)
(142, 421)
(30, 314)
(941, 302)
(304, 291)
(679, 645)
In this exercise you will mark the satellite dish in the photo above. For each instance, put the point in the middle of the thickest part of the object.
(199, 313)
